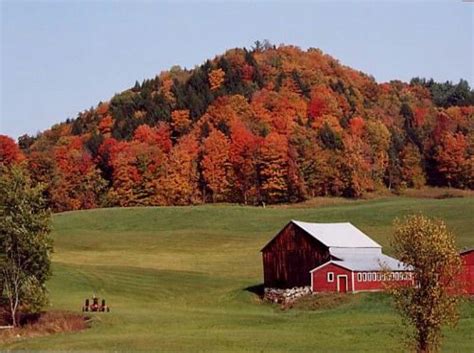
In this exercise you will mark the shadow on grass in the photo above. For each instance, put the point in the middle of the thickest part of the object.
(256, 289)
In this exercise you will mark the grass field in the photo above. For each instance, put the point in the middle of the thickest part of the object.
(176, 280)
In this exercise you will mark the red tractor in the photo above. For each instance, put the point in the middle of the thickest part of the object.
(95, 306)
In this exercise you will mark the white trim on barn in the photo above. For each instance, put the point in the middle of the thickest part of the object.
(328, 263)
(353, 282)
(347, 283)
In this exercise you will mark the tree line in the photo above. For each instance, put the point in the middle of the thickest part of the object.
(266, 125)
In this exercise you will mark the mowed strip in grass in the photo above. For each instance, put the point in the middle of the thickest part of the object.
(176, 279)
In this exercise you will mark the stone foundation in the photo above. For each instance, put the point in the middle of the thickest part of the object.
(284, 296)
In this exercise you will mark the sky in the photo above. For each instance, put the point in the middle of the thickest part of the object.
(61, 57)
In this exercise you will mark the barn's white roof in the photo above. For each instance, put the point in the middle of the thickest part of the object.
(372, 263)
(338, 235)
(379, 263)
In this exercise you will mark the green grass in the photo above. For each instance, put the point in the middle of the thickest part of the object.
(175, 279)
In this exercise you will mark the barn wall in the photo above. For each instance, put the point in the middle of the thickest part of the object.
(288, 259)
(468, 272)
(367, 282)
(320, 281)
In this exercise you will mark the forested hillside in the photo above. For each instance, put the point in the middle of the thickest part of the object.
(269, 124)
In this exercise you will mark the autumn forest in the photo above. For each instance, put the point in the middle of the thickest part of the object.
(261, 125)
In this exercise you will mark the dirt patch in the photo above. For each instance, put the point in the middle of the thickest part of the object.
(46, 324)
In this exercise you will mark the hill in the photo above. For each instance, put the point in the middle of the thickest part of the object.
(265, 125)
(176, 279)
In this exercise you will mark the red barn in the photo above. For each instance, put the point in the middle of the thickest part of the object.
(467, 257)
(329, 257)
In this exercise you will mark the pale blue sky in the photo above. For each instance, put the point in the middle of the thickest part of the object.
(58, 57)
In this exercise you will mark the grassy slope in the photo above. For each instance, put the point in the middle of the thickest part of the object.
(176, 279)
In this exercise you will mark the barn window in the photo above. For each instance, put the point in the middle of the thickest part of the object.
(374, 276)
(330, 276)
(364, 277)
(359, 277)
(397, 276)
(379, 276)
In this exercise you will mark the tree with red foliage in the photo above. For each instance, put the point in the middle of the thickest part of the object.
(77, 183)
(9, 151)
(159, 136)
(244, 149)
(105, 125)
(322, 102)
(139, 166)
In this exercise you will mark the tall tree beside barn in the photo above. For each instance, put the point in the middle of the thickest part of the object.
(25, 244)
(432, 302)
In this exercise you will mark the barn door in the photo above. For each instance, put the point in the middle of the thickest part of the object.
(342, 284)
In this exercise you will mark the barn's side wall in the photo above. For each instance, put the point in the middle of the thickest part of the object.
(289, 257)
(468, 272)
(320, 281)
(378, 281)
(366, 282)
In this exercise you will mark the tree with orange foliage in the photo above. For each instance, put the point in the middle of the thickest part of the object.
(452, 160)
(102, 109)
(181, 182)
(9, 151)
(166, 88)
(105, 125)
(216, 79)
(180, 121)
(216, 165)
(125, 175)
(274, 168)
(356, 126)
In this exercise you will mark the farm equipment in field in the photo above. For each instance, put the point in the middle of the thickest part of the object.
(94, 305)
